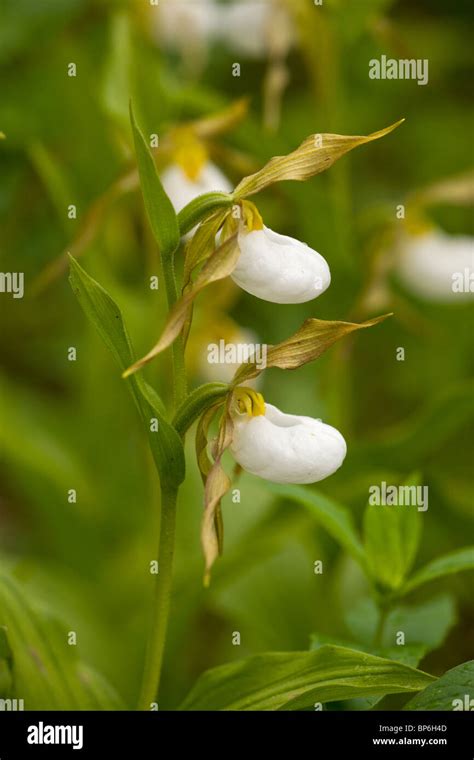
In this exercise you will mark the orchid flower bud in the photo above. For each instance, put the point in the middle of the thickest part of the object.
(437, 266)
(278, 268)
(285, 448)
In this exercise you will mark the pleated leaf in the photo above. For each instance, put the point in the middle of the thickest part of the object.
(106, 317)
(296, 680)
(45, 670)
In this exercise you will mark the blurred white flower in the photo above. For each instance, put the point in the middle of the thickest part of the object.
(278, 268)
(245, 26)
(186, 22)
(243, 341)
(286, 448)
(181, 189)
(437, 266)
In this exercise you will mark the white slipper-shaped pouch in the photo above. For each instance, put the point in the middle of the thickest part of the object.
(278, 268)
(286, 448)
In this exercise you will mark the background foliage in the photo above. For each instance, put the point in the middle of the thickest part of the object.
(84, 567)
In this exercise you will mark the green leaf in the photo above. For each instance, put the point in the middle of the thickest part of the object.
(455, 562)
(196, 403)
(427, 623)
(410, 654)
(106, 317)
(391, 538)
(335, 518)
(45, 669)
(201, 207)
(308, 343)
(159, 208)
(315, 154)
(453, 691)
(296, 680)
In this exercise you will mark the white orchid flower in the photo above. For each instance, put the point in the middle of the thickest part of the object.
(278, 268)
(437, 266)
(286, 448)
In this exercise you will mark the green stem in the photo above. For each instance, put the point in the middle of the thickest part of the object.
(179, 368)
(161, 604)
(164, 579)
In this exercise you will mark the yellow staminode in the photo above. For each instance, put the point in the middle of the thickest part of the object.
(248, 215)
(189, 152)
(252, 217)
(249, 401)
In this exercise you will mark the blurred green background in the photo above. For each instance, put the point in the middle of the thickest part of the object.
(71, 425)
